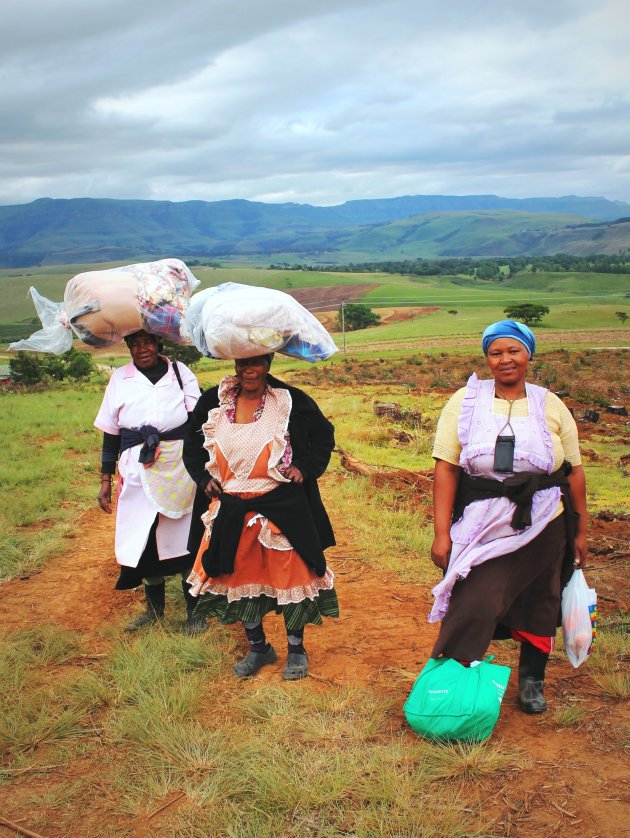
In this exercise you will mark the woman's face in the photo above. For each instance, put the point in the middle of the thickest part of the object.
(507, 360)
(144, 351)
(252, 373)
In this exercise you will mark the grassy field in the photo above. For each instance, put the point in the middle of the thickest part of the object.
(156, 720)
(45, 478)
(106, 735)
(577, 301)
(50, 460)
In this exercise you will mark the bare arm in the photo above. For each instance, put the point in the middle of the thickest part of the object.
(577, 487)
(445, 484)
(105, 493)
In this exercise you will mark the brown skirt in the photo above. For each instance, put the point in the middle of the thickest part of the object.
(520, 590)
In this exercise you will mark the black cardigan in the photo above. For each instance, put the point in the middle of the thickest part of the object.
(312, 442)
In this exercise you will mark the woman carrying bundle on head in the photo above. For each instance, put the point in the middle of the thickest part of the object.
(143, 418)
(256, 447)
(509, 512)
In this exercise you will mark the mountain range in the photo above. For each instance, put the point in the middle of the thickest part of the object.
(79, 230)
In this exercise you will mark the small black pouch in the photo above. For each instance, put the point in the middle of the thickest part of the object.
(504, 454)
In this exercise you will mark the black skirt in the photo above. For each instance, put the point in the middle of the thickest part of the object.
(520, 590)
(150, 564)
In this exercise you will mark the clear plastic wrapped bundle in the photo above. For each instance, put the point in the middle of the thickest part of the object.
(102, 307)
(241, 321)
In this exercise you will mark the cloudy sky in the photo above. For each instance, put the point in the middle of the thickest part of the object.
(313, 101)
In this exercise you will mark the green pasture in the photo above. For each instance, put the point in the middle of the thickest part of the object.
(462, 294)
(571, 326)
(48, 472)
(592, 285)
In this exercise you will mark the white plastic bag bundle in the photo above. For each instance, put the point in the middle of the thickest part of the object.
(102, 307)
(241, 321)
(579, 612)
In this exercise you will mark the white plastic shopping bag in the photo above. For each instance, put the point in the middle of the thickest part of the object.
(579, 613)
(233, 320)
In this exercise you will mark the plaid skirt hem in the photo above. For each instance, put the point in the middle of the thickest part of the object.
(252, 610)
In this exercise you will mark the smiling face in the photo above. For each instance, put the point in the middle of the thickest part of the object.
(252, 374)
(507, 360)
(144, 350)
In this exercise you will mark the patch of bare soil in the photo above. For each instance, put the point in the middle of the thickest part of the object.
(577, 783)
(328, 297)
(387, 315)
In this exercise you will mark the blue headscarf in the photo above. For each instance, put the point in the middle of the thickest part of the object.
(509, 329)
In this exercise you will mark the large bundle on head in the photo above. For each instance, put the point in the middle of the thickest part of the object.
(241, 321)
(102, 307)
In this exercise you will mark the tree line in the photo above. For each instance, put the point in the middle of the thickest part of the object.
(492, 268)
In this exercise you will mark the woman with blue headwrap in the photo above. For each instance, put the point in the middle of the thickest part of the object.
(509, 512)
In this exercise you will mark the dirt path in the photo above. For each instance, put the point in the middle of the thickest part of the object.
(578, 779)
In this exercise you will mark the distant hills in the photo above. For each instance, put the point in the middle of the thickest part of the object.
(62, 231)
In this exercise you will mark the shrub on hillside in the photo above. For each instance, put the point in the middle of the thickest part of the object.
(357, 316)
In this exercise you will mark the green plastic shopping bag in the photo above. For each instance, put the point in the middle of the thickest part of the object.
(450, 701)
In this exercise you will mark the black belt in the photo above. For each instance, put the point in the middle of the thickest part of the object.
(519, 488)
(151, 438)
(286, 506)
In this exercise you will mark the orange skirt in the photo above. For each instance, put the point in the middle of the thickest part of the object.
(260, 569)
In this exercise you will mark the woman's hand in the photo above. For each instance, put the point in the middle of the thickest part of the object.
(294, 474)
(581, 551)
(213, 489)
(105, 496)
(441, 551)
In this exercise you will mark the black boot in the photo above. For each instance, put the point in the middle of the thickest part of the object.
(531, 679)
(194, 625)
(154, 595)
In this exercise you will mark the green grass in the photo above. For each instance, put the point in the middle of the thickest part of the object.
(472, 319)
(486, 299)
(160, 714)
(607, 663)
(48, 472)
(37, 709)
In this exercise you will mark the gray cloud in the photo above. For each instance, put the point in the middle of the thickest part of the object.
(313, 102)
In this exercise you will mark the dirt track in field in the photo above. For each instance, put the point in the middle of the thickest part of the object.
(577, 786)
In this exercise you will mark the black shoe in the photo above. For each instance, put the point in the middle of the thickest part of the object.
(531, 696)
(297, 666)
(253, 662)
(143, 620)
(195, 625)
(155, 596)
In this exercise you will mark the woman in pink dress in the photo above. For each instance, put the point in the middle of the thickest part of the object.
(143, 418)
(256, 447)
(509, 512)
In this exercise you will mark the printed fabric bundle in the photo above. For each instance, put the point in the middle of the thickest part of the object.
(241, 321)
(450, 701)
(102, 307)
